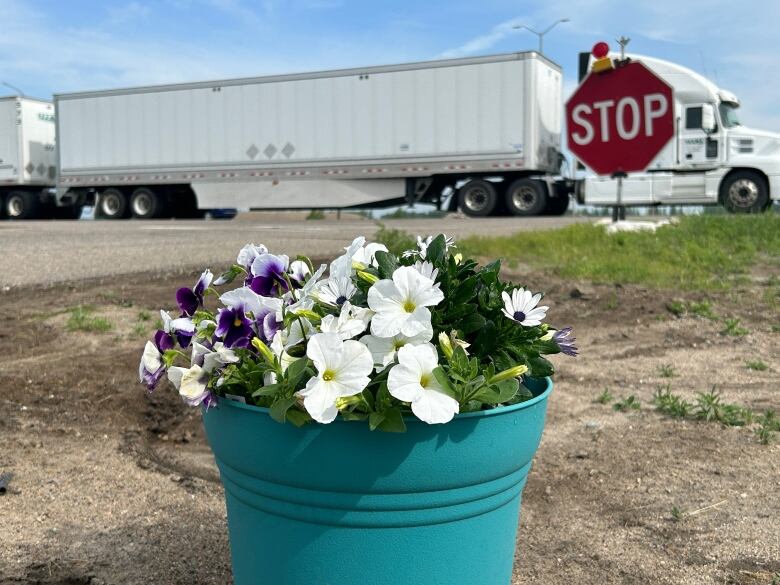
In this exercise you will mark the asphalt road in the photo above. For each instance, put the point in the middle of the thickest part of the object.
(47, 252)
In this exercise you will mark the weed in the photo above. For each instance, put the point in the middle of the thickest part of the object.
(667, 371)
(144, 315)
(316, 214)
(81, 319)
(111, 297)
(671, 404)
(677, 514)
(708, 406)
(768, 424)
(397, 241)
(702, 309)
(733, 328)
(139, 330)
(605, 397)
(158, 324)
(776, 328)
(629, 403)
(676, 308)
(756, 365)
(733, 415)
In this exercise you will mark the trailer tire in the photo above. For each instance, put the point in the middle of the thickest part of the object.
(557, 205)
(744, 192)
(22, 205)
(146, 204)
(526, 197)
(478, 198)
(111, 204)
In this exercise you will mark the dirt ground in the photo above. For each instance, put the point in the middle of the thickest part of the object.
(113, 486)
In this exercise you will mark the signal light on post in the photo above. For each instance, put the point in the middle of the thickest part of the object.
(602, 63)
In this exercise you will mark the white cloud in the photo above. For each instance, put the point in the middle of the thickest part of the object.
(484, 42)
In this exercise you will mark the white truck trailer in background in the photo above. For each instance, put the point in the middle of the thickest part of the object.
(712, 158)
(488, 127)
(28, 159)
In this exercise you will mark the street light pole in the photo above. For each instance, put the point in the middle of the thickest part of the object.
(542, 33)
(13, 87)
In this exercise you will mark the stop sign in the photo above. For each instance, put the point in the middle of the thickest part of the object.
(619, 120)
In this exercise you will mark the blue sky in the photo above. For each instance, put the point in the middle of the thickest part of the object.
(49, 46)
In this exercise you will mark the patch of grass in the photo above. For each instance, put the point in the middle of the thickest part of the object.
(667, 371)
(81, 319)
(704, 252)
(776, 328)
(140, 330)
(676, 308)
(768, 424)
(628, 403)
(756, 365)
(158, 324)
(671, 404)
(698, 308)
(613, 301)
(677, 514)
(144, 315)
(316, 214)
(605, 397)
(115, 299)
(732, 327)
(397, 241)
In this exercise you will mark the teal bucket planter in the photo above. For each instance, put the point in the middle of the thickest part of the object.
(338, 504)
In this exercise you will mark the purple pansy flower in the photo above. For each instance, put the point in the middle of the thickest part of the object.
(269, 274)
(248, 254)
(234, 327)
(151, 368)
(565, 341)
(181, 328)
(190, 299)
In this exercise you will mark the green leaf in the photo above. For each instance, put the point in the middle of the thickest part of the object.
(279, 409)
(436, 249)
(269, 390)
(540, 367)
(507, 389)
(471, 323)
(386, 264)
(375, 419)
(295, 371)
(393, 421)
(444, 381)
(298, 417)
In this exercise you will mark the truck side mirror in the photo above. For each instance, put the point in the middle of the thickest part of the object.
(708, 122)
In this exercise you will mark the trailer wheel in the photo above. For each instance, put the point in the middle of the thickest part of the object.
(557, 205)
(477, 198)
(22, 205)
(744, 192)
(111, 204)
(146, 204)
(526, 197)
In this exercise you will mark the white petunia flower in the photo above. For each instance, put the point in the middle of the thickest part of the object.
(383, 349)
(426, 269)
(401, 304)
(367, 255)
(412, 381)
(335, 291)
(348, 324)
(521, 307)
(343, 368)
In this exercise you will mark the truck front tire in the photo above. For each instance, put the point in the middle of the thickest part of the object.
(526, 197)
(111, 204)
(146, 204)
(21, 205)
(744, 192)
(477, 198)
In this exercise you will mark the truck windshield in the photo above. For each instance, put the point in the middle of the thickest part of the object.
(728, 114)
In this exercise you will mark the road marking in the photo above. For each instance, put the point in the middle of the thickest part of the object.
(173, 227)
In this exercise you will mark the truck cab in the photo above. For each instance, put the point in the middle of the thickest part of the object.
(712, 159)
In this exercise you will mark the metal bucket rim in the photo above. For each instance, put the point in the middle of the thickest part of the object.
(542, 396)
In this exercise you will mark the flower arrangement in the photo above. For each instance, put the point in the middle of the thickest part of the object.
(427, 333)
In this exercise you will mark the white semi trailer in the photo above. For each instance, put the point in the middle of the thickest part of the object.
(489, 127)
(28, 159)
(712, 158)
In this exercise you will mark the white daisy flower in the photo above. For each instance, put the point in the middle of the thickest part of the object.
(335, 291)
(412, 381)
(341, 267)
(521, 307)
(343, 368)
(384, 349)
(422, 246)
(401, 304)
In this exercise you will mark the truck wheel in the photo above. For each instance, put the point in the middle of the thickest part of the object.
(22, 205)
(557, 205)
(744, 192)
(526, 197)
(146, 204)
(477, 198)
(111, 204)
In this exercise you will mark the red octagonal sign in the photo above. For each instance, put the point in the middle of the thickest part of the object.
(619, 120)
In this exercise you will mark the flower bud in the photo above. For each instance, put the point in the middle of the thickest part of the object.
(445, 345)
(514, 372)
(264, 350)
(458, 258)
(308, 313)
(347, 401)
(367, 276)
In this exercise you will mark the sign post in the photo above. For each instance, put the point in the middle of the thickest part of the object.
(619, 118)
